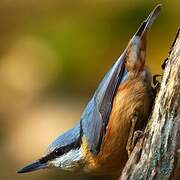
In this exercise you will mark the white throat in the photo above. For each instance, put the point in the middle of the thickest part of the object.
(72, 160)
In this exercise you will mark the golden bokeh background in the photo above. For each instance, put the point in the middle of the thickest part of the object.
(52, 56)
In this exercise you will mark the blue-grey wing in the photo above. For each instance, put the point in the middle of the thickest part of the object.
(69, 137)
(96, 114)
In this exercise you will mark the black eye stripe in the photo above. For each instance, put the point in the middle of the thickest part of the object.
(63, 149)
(60, 151)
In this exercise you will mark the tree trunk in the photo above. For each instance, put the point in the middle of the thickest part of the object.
(157, 154)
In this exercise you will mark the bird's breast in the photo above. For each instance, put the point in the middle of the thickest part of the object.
(131, 96)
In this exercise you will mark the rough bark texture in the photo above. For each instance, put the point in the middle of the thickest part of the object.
(157, 154)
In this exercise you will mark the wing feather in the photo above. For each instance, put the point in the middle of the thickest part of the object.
(96, 114)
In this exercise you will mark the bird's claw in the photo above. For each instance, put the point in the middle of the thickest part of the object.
(133, 135)
(156, 84)
(137, 134)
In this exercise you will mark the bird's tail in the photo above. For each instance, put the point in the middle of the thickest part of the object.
(146, 25)
(136, 49)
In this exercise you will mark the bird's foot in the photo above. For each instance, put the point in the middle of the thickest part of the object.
(137, 134)
(133, 135)
(156, 83)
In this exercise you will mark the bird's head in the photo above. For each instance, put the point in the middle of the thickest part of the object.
(64, 153)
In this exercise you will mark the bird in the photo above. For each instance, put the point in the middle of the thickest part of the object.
(101, 142)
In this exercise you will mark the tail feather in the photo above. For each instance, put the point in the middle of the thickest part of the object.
(146, 25)
(136, 48)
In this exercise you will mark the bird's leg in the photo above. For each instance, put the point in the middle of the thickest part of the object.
(156, 84)
(133, 135)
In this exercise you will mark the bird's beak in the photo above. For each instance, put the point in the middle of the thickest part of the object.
(33, 167)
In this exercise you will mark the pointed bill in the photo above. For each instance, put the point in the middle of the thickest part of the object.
(33, 167)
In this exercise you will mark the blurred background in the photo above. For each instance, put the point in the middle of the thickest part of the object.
(52, 56)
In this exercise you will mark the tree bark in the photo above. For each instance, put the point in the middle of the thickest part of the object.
(157, 154)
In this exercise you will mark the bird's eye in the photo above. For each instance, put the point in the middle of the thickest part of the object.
(58, 152)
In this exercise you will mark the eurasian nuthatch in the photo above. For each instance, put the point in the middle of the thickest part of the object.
(101, 140)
